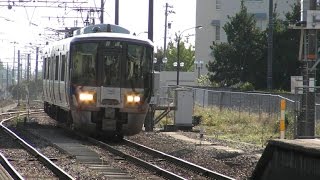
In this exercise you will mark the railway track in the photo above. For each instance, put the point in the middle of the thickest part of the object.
(28, 151)
(160, 163)
(6, 169)
(156, 162)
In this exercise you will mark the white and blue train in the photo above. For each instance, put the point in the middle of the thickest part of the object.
(99, 80)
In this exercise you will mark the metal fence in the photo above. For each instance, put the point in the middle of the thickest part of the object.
(265, 106)
(238, 101)
(299, 107)
(243, 102)
(255, 103)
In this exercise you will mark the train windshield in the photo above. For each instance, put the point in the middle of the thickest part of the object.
(111, 63)
(84, 63)
(138, 64)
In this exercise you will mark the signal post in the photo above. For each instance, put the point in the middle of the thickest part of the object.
(309, 25)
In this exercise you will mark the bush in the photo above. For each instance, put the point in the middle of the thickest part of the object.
(246, 86)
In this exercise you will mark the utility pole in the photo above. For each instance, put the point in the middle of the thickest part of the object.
(14, 59)
(7, 76)
(102, 11)
(37, 59)
(149, 121)
(150, 21)
(28, 67)
(18, 93)
(165, 29)
(165, 32)
(117, 12)
(270, 46)
(7, 80)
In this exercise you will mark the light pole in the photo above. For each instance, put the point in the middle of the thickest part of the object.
(140, 33)
(175, 64)
(178, 50)
(163, 64)
(199, 65)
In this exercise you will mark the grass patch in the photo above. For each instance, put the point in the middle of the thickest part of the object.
(256, 128)
(244, 126)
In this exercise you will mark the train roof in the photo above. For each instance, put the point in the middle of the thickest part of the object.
(101, 36)
(111, 35)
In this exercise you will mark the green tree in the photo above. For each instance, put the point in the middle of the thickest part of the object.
(20, 91)
(241, 58)
(187, 55)
(158, 65)
(285, 49)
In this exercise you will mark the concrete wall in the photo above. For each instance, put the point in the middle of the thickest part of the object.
(169, 78)
(168, 82)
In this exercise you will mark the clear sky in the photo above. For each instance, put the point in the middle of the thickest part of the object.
(133, 15)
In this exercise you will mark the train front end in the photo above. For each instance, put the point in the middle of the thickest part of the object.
(110, 84)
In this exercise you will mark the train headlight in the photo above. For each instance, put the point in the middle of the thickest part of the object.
(86, 96)
(136, 99)
(130, 98)
(133, 98)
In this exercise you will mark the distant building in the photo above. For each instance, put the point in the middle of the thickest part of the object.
(213, 15)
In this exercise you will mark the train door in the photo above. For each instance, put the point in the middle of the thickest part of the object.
(56, 80)
(67, 79)
(44, 82)
(111, 76)
(50, 64)
(62, 86)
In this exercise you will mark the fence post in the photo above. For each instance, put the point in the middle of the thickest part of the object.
(269, 108)
(203, 98)
(260, 108)
(282, 118)
(220, 101)
(240, 107)
(230, 99)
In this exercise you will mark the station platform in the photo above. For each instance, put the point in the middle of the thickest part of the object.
(289, 159)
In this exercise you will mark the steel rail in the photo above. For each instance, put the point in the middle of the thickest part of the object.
(9, 168)
(159, 171)
(196, 168)
(47, 162)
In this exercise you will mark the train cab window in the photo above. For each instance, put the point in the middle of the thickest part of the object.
(83, 57)
(111, 69)
(56, 68)
(136, 61)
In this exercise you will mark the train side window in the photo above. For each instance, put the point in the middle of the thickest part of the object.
(83, 58)
(63, 67)
(51, 68)
(57, 68)
(136, 57)
(48, 67)
(45, 68)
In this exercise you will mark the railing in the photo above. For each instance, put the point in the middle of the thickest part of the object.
(242, 101)
(261, 106)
